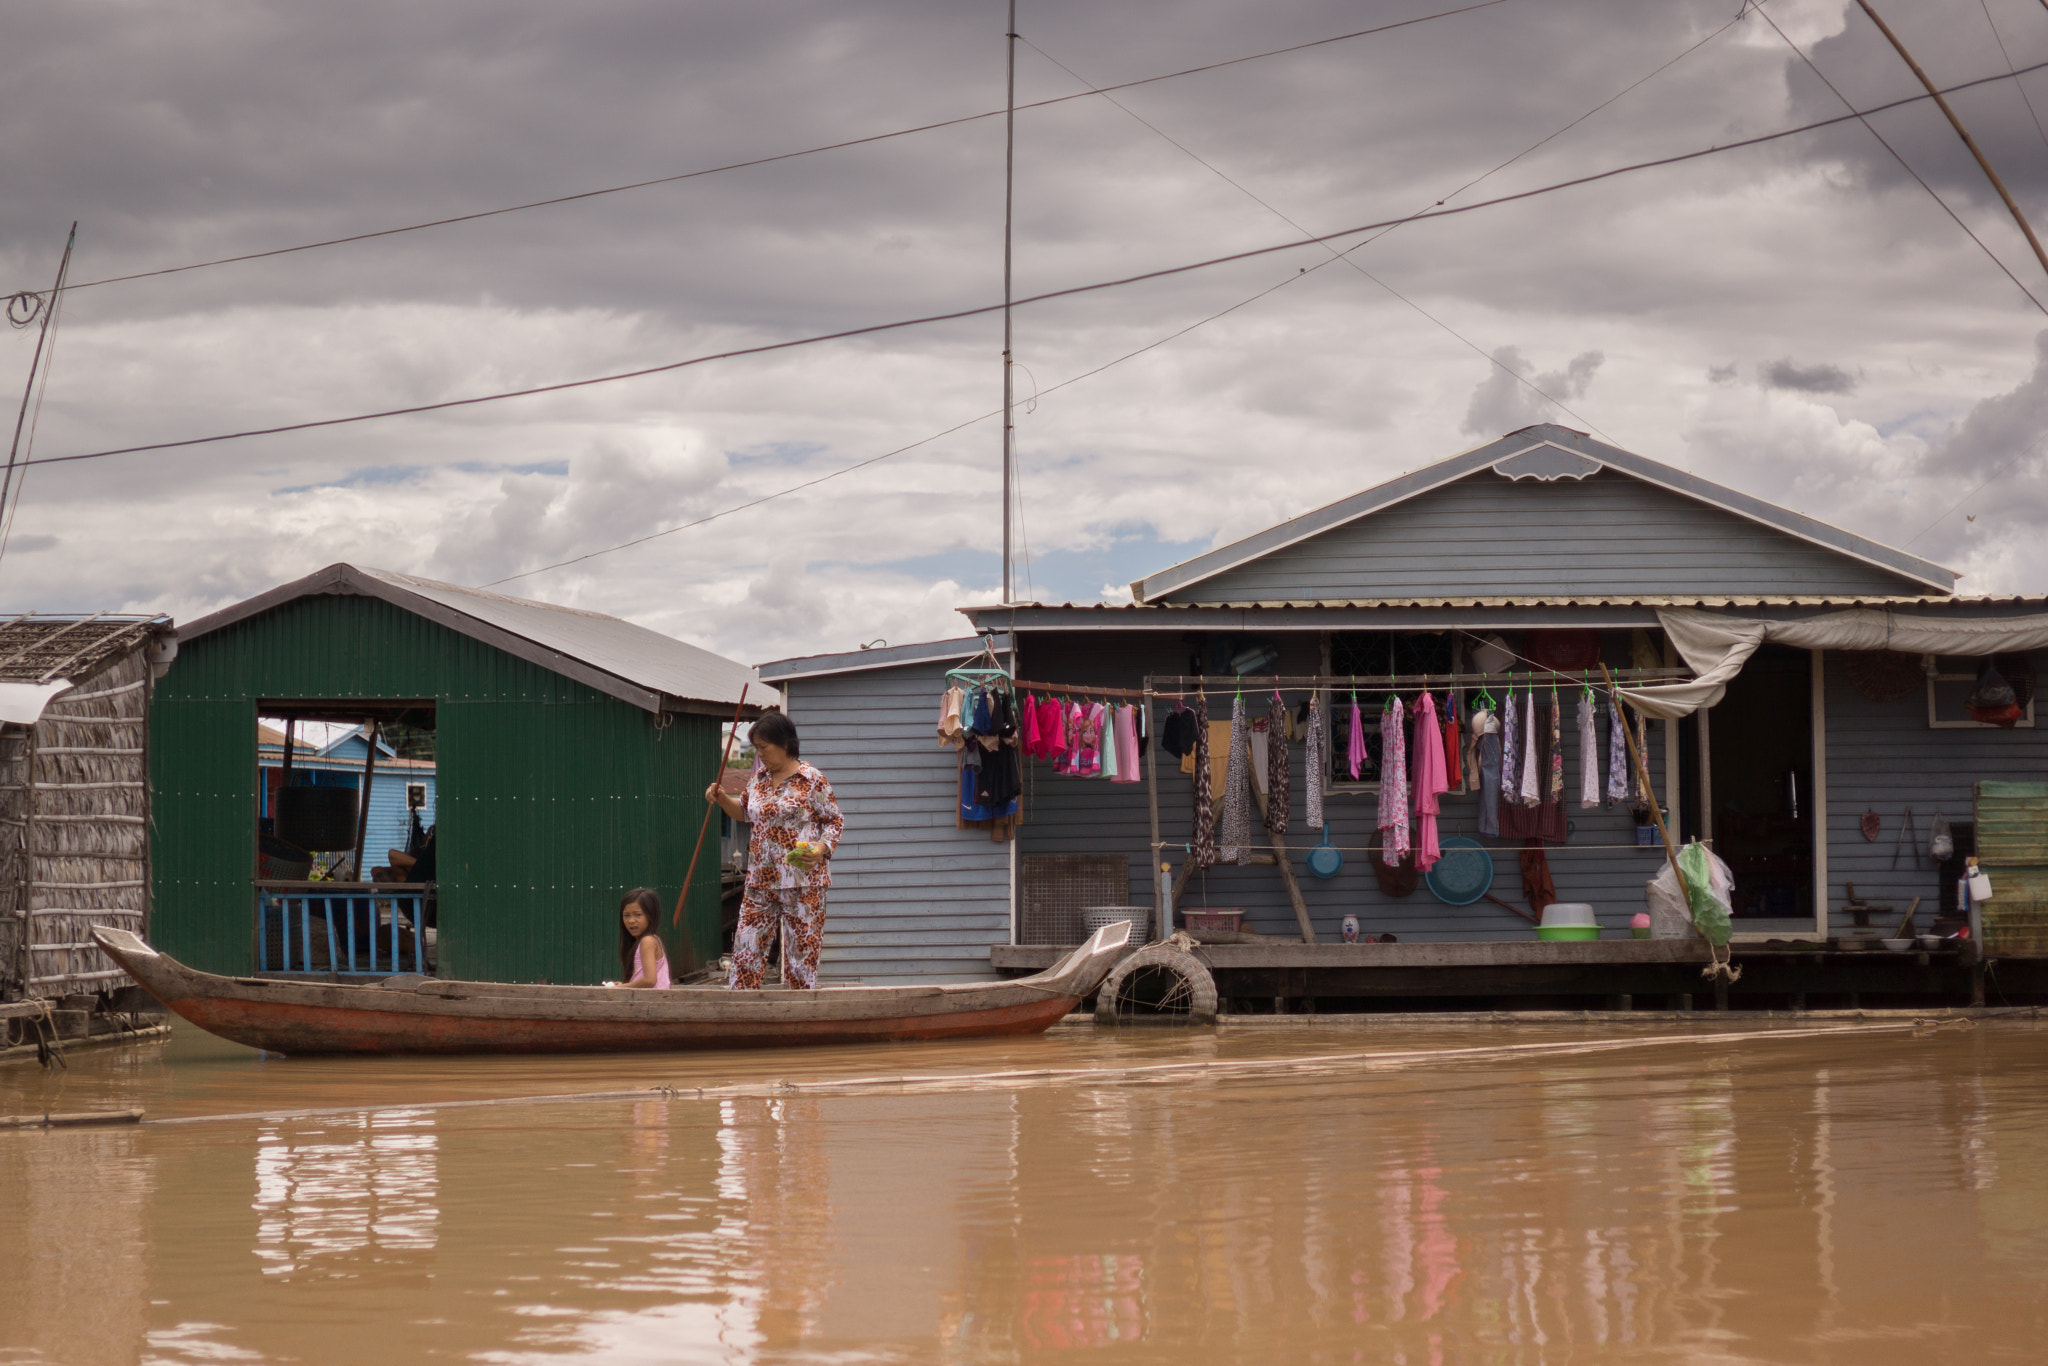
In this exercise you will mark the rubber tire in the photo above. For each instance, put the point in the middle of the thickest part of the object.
(1160, 957)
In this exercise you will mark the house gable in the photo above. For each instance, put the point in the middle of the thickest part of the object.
(1545, 513)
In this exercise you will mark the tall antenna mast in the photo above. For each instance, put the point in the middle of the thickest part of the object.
(1009, 195)
(49, 309)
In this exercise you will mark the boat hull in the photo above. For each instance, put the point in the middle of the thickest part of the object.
(427, 1015)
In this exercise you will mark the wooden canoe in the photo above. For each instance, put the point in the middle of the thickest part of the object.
(413, 1014)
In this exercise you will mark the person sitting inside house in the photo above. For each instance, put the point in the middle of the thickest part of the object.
(414, 867)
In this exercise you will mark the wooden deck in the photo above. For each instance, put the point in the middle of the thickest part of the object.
(1620, 973)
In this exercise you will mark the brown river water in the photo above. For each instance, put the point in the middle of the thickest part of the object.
(1290, 1193)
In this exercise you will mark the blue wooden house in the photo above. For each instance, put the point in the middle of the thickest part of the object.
(398, 787)
(1818, 769)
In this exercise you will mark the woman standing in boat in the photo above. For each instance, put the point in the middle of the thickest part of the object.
(796, 826)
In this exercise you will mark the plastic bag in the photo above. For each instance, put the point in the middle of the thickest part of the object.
(1673, 912)
(1994, 703)
(1942, 845)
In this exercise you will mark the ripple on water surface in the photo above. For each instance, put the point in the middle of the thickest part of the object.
(1862, 1198)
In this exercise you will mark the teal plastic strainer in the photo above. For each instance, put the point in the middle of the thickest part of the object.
(1463, 874)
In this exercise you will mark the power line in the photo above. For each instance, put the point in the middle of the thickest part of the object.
(925, 441)
(779, 156)
(1071, 291)
(1904, 165)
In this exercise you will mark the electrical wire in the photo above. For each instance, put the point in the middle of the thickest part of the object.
(1164, 272)
(779, 156)
(886, 455)
(1862, 118)
(1999, 38)
(1344, 256)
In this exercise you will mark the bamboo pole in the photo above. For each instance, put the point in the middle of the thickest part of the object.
(1983, 162)
(676, 920)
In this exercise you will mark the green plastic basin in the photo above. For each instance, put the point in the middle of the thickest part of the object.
(1568, 932)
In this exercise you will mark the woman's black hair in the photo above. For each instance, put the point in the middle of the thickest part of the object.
(777, 730)
(629, 944)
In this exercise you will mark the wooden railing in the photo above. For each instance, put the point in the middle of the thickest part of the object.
(347, 929)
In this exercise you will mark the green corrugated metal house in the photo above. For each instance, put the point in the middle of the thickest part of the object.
(573, 750)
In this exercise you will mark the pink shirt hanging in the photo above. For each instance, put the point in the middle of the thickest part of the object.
(1430, 778)
(1126, 730)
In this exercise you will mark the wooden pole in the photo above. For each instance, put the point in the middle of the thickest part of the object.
(1294, 897)
(1161, 914)
(363, 811)
(723, 759)
(1956, 123)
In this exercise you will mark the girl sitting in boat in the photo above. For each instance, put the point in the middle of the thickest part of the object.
(641, 956)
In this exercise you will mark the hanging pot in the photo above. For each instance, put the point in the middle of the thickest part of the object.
(1324, 861)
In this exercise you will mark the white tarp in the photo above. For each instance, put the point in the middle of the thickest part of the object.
(1716, 646)
(23, 703)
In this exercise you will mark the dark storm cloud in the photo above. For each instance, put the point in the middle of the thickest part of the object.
(1807, 379)
(216, 127)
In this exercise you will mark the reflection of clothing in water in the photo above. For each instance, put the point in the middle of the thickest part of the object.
(797, 914)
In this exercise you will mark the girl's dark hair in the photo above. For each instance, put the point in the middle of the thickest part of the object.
(777, 730)
(629, 944)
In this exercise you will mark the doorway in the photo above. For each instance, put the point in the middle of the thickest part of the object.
(1756, 790)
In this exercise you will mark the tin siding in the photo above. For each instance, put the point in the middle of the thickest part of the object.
(1085, 816)
(1487, 536)
(552, 798)
(914, 898)
(1882, 757)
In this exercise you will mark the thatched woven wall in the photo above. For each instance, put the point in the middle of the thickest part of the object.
(74, 807)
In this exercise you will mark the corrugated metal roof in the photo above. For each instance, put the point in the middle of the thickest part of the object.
(621, 659)
(884, 656)
(1640, 600)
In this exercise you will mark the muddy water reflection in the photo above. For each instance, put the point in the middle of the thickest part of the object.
(1877, 1199)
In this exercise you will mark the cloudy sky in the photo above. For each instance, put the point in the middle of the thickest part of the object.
(1802, 321)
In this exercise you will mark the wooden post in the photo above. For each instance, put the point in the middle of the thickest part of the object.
(1162, 913)
(363, 812)
(1308, 929)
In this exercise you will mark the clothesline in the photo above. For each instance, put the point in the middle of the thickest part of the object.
(1222, 683)
(1083, 689)
(1170, 846)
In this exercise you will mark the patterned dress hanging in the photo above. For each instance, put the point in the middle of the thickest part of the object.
(1276, 767)
(1393, 812)
(1203, 853)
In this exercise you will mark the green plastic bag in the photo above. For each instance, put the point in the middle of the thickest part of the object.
(1709, 911)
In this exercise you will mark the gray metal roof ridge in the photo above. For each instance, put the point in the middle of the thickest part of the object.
(1452, 468)
(882, 657)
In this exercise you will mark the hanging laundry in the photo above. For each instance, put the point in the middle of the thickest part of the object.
(1277, 812)
(991, 777)
(1454, 779)
(1202, 851)
(1127, 745)
(1554, 789)
(1510, 785)
(1257, 731)
(1546, 819)
(950, 725)
(1617, 754)
(1486, 762)
(1589, 752)
(1316, 740)
(1177, 732)
(1526, 790)
(1393, 810)
(1105, 723)
(1482, 722)
(1235, 841)
(1354, 750)
(1027, 726)
(1430, 781)
(1537, 885)
(1642, 749)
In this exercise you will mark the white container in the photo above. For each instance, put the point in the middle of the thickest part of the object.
(1577, 914)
